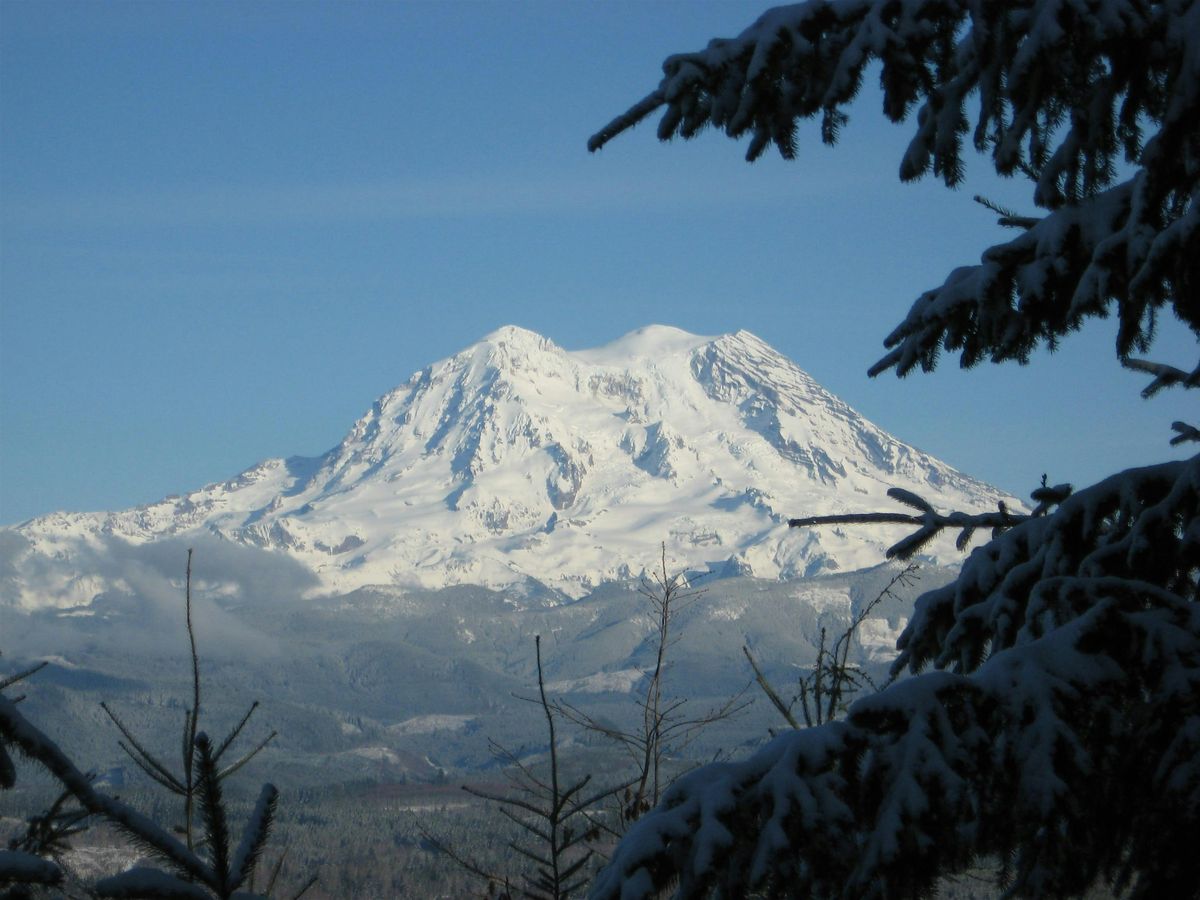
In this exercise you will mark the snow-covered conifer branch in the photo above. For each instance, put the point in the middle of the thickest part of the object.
(1141, 524)
(254, 837)
(17, 731)
(47, 835)
(1060, 730)
(1065, 91)
(19, 867)
(191, 876)
(1184, 433)
(10, 680)
(1164, 376)
(1007, 217)
(1074, 711)
(212, 809)
(141, 882)
(222, 877)
(8, 771)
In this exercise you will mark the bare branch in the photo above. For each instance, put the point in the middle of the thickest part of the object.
(10, 680)
(500, 798)
(466, 863)
(304, 888)
(233, 767)
(775, 699)
(237, 729)
(147, 760)
(931, 523)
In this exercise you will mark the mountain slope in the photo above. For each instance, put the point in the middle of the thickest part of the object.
(516, 462)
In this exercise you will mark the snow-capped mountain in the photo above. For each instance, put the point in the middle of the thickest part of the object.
(516, 462)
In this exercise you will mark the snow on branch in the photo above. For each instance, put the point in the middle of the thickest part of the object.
(1043, 284)
(1184, 433)
(145, 882)
(191, 873)
(1061, 93)
(1065, 702)
(936, 770)
(17, 731)
(1164, 375)
(1142, 525)
(19, 867)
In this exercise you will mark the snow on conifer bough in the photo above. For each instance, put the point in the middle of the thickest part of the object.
(1059, 731)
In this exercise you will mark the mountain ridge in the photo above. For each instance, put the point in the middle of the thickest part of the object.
(515, 461)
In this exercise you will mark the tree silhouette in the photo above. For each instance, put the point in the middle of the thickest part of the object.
(1059, 728)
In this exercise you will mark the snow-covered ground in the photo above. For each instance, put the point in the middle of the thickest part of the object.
(621, 682)
(431, 723)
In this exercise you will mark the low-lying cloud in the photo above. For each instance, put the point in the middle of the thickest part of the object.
(139, 603)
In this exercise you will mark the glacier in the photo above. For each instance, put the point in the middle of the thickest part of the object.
(515, 464)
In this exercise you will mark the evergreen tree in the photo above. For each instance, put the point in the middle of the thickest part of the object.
(667, 724)
(552, 815)
(32, 864)
(1059, 728)
(208, 864)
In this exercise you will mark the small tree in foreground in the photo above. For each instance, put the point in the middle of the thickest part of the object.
(34, 860)
(552, 812)
(212, 864)
(1060, 729)
(220, 872)
(186, 783)
(666, 726)
(826, 689)
(562, 827)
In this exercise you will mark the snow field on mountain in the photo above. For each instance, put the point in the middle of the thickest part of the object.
(515, 462)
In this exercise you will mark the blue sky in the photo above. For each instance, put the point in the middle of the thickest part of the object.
(226, 228)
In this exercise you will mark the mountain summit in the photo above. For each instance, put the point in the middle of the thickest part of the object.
(516, 461)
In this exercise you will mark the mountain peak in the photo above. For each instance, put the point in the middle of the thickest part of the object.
(514, 334)
(516, 460)
(648, 342)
